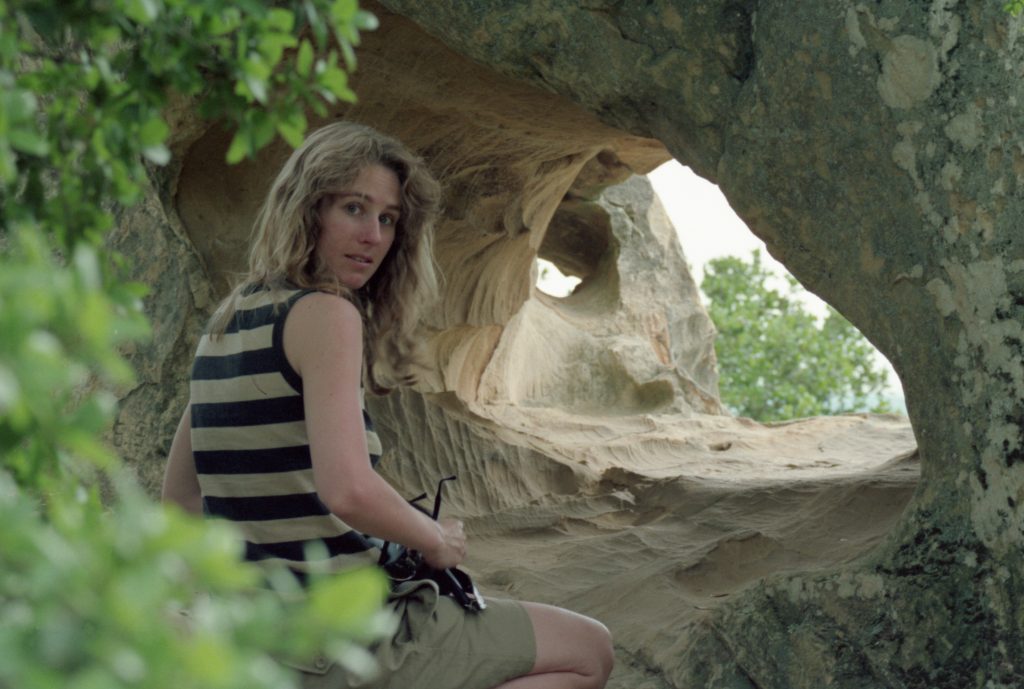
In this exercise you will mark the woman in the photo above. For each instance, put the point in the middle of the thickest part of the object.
(275, 436)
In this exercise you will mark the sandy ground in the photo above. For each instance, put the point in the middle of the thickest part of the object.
(680, 516)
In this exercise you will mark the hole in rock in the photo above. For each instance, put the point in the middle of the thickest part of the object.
(552, 281)
(580, 245)
(775, 338)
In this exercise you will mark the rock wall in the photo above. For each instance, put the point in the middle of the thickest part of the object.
(877, 150)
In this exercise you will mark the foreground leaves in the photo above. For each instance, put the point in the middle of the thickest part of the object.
(139, 596)
(125, 593)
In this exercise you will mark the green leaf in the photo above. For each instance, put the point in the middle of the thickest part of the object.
(257, 87)
(142, 11)
(334, 79)
(98, 140)
(256, 74)
(343, 11)
(345, 600)
(19, 105)
(8, 167)
(280, 20)
(262, 126)
(87, 267)
(272, 47)
(241, 147)
(27, 141)
(155, 131)
(293, 129)
(316, 23)
(365, 21)
(319, 108)
(304, 59)
(226, 22)
(349, 55)
(10, 390)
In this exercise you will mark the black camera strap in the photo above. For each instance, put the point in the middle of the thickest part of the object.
(403, 564)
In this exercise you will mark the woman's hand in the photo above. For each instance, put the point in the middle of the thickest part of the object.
(451, 549)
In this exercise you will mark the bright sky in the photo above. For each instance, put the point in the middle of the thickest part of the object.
(708, 228)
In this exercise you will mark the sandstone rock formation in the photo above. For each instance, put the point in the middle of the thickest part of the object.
(875, 147)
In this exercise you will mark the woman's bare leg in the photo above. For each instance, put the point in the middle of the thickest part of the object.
(573, 651)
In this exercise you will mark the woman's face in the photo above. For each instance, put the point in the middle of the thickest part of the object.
(358, 224)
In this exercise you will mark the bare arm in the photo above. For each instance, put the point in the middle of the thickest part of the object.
(323, 341)
(181, 485)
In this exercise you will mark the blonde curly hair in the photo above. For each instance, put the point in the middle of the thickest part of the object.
(286, 230)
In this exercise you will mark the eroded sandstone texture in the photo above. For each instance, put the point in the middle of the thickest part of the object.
(878, 150)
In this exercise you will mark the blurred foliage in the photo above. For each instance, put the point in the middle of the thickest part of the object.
(92, 595)
(776, 360)
(1014, 7)
(139, 596)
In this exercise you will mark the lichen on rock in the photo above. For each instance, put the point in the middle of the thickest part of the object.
(875, 148)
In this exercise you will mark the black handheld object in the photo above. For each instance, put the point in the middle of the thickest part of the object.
(403, 564)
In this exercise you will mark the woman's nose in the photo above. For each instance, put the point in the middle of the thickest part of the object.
(372, 233)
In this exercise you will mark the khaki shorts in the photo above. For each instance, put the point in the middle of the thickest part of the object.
(439, 645)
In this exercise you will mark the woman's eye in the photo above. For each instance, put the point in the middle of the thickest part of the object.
(353, 208)
(388, 220)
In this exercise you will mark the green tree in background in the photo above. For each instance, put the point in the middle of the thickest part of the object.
(775, 359)
(92, 593)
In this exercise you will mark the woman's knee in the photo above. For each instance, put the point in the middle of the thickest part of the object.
(596, 652)
(570, 642)
(604, 650)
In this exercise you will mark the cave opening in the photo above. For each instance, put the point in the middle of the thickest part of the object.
(713, 236)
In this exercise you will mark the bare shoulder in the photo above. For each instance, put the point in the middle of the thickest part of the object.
(321, 324)
(321, 309)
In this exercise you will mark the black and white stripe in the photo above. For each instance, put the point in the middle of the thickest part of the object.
(250, 444)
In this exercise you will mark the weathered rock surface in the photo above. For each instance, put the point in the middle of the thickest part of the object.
(878, 150)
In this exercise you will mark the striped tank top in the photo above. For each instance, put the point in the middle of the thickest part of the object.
(250, 445)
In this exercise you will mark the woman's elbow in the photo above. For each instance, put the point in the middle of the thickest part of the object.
(347, 502)
(190, 501)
